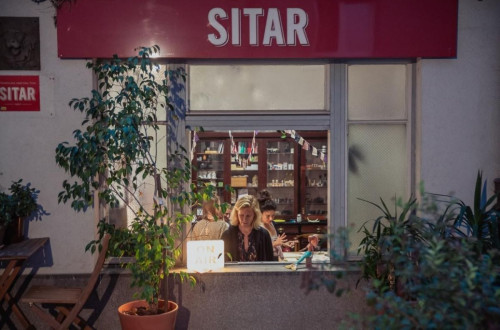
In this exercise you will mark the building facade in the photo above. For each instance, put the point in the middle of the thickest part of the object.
(442, 129)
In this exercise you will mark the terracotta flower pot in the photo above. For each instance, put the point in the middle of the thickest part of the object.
(165, 321)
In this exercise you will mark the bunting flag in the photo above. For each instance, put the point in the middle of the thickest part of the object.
(236, 150)
(306, 145)
(253, 148)
(193, 145)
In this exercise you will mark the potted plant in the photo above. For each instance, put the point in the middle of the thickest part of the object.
(450, 270)
(15, 208)
(383, 243)
(5, 217)
(129, 123)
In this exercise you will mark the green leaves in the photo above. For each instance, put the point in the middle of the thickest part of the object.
(386, 239)
(20, 203)
(117, 152)
(437, 270)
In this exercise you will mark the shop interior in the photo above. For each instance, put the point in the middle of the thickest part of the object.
(290, 165)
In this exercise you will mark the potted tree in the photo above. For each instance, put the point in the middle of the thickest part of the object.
(15, 208)
(128, 155)
(5, 217)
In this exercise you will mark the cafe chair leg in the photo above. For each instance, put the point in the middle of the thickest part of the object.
(18, 312)
(68, 302)
(64, 312)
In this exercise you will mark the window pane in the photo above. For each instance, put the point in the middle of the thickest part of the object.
(378, 166)
(377, 92)
(281, 176)
(257, 87)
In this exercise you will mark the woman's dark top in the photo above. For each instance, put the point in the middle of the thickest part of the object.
(260, 247)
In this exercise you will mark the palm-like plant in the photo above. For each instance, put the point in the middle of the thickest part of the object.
(390, 232)
(479, 222)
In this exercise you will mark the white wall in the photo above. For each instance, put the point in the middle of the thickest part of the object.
(28, 142)
(460, 124)
(461, 106)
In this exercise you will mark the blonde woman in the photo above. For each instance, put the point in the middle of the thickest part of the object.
(246, 240)
(212, 225)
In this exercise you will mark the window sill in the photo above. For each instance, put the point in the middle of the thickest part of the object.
(113, 266)
(274, 268)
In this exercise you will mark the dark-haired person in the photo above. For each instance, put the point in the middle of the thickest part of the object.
(246, 239)
(268, 210)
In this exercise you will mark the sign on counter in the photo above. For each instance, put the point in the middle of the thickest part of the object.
(205, 256)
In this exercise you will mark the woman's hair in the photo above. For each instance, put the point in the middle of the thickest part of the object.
(244, 202)
(265, 201)
(212, 207)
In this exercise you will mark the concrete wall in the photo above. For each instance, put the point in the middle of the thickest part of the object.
(461, 106)
(460, 117)
(271, 300)
(28, 142)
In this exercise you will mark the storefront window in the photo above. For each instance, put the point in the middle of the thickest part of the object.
(258, 87)
(376, 116)
(378, 140)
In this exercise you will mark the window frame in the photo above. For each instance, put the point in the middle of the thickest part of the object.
(410, 124)
(334, 120)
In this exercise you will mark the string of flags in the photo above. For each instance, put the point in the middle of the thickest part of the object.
(253, 149)
(306, 145)
(238, 150)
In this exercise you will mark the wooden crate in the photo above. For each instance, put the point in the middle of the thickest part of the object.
(239, 181)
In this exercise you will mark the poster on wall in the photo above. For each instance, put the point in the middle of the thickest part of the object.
(19, 43)
(19, 93)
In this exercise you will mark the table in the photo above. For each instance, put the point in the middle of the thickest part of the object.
(16, 254)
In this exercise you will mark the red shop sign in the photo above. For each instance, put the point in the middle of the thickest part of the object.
(19, 93)
(261, 29)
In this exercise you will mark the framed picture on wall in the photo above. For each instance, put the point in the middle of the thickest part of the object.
(19, 43)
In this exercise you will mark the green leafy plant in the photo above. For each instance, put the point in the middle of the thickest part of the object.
(449, 268)
(130, 121)
(433, 265)
(5, 209)
(120, 243)
(477, 223)
(20, 203)
(480, 221)
(448, 287)
(385, 239)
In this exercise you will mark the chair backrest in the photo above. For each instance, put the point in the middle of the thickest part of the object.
(90, 285)
(97, 269)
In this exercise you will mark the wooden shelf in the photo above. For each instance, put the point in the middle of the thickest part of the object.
(271, 148)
